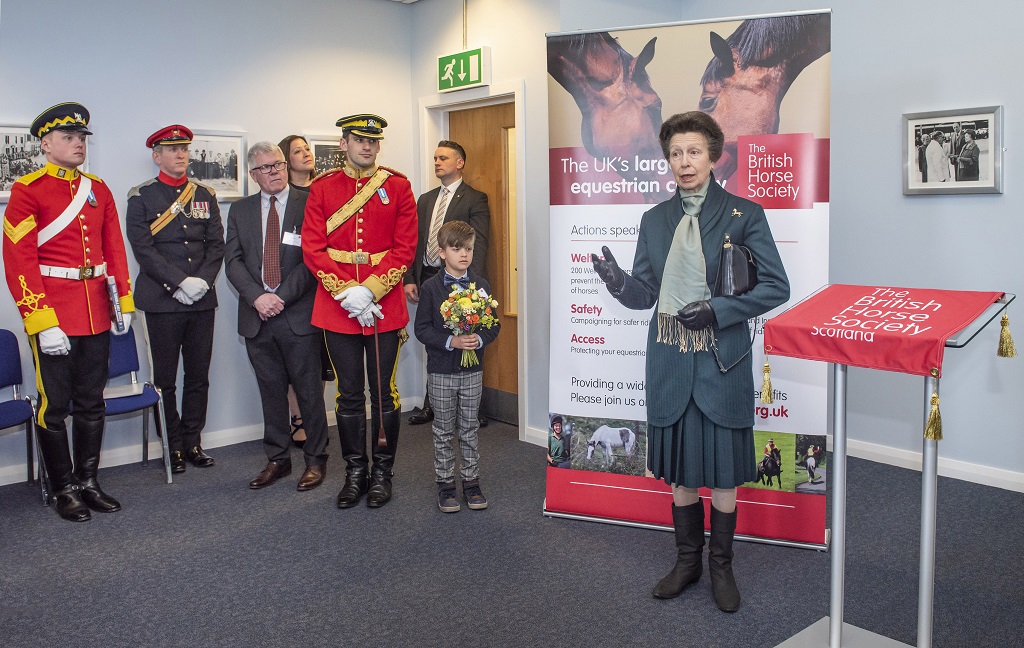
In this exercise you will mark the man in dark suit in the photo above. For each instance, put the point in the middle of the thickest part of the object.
(263, 261)
(453, 200)
(176, 233)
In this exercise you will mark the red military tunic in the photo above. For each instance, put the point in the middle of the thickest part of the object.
(381, 234)
(93, 237)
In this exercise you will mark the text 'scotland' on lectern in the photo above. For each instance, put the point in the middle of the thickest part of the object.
(893, 329)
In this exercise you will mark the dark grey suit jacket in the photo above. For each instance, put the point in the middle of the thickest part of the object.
(467, 205)
(243, 262)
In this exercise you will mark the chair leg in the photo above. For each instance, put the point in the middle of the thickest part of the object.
(44, 479)
(145, 439)
(160, 418)
(30, 433)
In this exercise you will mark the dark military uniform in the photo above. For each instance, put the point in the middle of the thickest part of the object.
(190, 245)
(62, 240)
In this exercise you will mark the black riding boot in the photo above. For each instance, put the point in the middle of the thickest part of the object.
(383, 459)
(352, 432)
(88, 439)
(689, 527)
(66, 498)
(723, 528)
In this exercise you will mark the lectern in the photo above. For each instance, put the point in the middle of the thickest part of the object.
(894, 329)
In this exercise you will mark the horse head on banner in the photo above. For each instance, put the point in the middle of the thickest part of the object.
(745, 82)
(621, 111)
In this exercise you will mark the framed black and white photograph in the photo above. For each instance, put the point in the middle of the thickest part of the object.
(217, 159)
(953, 151)
(327, 153)
(20, 154)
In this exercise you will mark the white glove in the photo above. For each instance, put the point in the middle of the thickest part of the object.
(194, 288)
(180, 295)
(369, 313)
(53, 341)
(355, 299)
(127, 319)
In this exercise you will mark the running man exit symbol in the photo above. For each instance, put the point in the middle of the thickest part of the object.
(464, 70)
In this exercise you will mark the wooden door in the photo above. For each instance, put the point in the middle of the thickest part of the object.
(486, 134)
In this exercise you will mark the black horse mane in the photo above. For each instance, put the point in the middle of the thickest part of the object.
(766, 41)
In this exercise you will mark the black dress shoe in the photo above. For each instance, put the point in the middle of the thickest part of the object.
(425, 415)
(380, 491)
(313, 477)
(68, 504)
(275, 470)
(177, 462)
(96, 499)
(198, 458)
(353, 490)
(483, 421)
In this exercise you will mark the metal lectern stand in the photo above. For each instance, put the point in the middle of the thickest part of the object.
(831, 631)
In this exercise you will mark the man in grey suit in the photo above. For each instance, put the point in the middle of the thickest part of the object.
(263, 261)
(453, 200)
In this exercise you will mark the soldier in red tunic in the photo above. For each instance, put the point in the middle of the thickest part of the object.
(62, 243)
(358, 240)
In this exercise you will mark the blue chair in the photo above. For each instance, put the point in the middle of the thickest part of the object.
(124, 359)
(18, 410)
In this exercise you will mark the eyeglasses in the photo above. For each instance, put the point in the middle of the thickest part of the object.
(267, 168)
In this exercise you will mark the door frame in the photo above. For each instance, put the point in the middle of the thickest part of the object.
(433, 127)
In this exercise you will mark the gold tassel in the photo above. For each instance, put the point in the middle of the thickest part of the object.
(933, 428)
(766, 385)
(1006, 346)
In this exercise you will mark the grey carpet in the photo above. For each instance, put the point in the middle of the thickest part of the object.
(207, 562)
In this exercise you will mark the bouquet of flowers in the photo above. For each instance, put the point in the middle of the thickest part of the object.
(465, 311)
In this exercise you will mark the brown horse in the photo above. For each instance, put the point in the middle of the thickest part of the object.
(621, 111)
(744, 84)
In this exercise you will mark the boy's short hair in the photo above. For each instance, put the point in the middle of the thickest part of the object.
(455, 234)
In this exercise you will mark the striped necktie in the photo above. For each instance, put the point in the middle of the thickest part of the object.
(431, 254)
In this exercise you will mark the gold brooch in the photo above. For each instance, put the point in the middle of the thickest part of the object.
(737, 213)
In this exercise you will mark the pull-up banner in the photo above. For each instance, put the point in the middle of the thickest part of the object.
(766, 81)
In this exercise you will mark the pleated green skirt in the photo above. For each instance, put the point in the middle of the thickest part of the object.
(695, 452)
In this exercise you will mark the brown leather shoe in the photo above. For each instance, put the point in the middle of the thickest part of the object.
(275, 470)
(313, 477)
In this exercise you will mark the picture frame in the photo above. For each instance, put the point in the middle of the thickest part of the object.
(326, 150)
(20, 154)
(217, 159)
(953, 151)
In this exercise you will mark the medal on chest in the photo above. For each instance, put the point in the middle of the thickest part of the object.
(382, 192)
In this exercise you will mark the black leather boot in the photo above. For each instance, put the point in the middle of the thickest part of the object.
(689, 528)
(65, 496)
(88, 439)
(383, 459)
(352, 432)
(723, 528)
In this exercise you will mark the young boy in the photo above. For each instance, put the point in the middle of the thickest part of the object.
(454, 390)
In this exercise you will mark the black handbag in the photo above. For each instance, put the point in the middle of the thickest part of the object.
(737, 272)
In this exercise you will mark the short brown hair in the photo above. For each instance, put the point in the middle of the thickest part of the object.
(693, 122)
(455, 234)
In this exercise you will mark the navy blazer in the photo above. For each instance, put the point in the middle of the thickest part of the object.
(467, 205)
(431, 331)
(721, 382)
(243, 263)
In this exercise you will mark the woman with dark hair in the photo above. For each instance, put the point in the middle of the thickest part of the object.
(301, 170)
(967, 160)
(300, 174)
(700, 381)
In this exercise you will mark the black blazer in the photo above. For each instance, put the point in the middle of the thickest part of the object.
(431, 331)
(243, 263)
(467, 205)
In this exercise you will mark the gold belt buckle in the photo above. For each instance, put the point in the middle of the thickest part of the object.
(87, 272)
(360, 258)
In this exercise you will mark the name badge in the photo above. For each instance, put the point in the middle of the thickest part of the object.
(292, 238)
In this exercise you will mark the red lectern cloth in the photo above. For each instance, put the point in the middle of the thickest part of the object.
(895, 329)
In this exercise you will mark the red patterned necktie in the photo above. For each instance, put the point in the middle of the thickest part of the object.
(272, 248)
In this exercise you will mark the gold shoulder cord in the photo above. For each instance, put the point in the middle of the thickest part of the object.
(357, 201)
(176, 207)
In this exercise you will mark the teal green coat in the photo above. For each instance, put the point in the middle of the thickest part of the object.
(722, 386)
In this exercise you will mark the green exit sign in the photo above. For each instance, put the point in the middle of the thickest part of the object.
(463, 70)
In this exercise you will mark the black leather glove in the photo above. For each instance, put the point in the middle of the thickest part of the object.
(609, 270)
(696, 315)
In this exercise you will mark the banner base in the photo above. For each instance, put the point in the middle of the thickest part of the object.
(662, 527)
(817, 635)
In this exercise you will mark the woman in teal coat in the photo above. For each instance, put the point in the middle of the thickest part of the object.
(700, 385)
